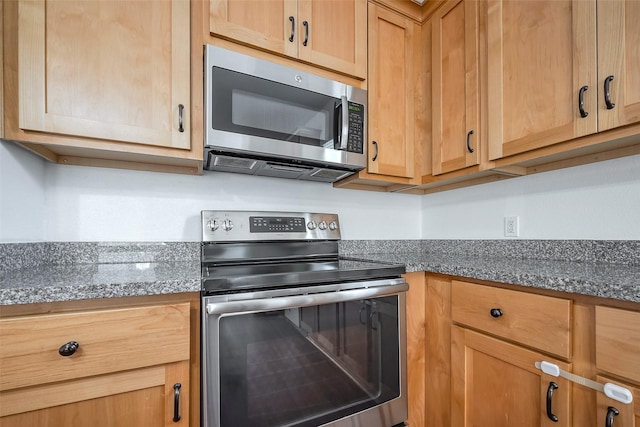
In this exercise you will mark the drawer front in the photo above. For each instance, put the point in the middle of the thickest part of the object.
(536, 321)
(618, 342)
(109, 341)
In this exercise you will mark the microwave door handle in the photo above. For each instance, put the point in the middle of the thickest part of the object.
(344, 131)
(309, 300)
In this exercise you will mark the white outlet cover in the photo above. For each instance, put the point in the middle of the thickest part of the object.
(511, 226)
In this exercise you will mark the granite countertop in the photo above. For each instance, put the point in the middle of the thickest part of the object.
(79, 271)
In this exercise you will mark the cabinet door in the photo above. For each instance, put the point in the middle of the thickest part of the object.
(335, 34)
(142, 398)
(497, 384)
(272, 25)
(622, 415)
(540, 54)
(618, 63)
(391, 93)
(108, 70)
(455, 102)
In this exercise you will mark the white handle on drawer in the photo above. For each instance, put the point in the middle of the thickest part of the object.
(612, 391)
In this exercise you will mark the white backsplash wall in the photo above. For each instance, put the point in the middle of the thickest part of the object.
(96, 204)
(597, 201)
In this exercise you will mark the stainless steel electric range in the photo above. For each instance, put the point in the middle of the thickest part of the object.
(294, 334)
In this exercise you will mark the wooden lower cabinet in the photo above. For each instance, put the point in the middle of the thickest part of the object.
(416, 345)
(496, 383)
(619, 414)
(128, 367)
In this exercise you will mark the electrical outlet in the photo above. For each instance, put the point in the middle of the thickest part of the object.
(511, 226)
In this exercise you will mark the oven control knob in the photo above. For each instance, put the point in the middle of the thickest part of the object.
(322, 225)
(227, 225)
(311, 225)
(213, 225)
(333, 225)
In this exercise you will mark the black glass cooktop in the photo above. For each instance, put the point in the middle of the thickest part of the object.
(247, 277)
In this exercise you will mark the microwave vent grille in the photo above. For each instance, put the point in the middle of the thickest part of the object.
(331, 175)
(234, 162)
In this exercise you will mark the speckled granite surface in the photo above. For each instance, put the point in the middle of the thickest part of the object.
(50, 272)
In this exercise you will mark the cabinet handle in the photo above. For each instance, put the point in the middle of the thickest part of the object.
(293, 27)
(69, 348)
(471, 150)
(552, 386)
(496, 312)
(180, 114)
(176, 402)
(306, 33)
(583, 113)
(611, 412)
(607, 93)
(375, 156)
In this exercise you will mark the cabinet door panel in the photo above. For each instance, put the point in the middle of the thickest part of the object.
(619, 56)
(455, 86)
(496, 384)
(628, 414)
(108, 70)
(337, 34)
(391, 96)
(540, 53)
(261, 23)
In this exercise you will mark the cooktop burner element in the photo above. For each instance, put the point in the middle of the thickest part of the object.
(248, 250)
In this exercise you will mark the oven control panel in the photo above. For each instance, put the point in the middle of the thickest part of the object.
(232, 226)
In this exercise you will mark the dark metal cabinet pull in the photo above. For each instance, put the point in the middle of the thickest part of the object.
(293, 28)
(69, 348)
(611, 412)
(176, 402)
(495, 312)
(375, 156)
(471, 150)
(180, 120)
(583, 113)
(552, 386)
(306, 33)
(607, 93)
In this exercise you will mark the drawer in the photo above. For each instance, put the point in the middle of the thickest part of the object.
(109, 341)
(618, 342)
(534, 320)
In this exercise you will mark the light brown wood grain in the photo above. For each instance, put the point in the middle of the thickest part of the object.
(392, 78)
(416, 347)
(496, 384)
(583, 400)
(618, 342)
(455, 86)
(629, 414)
(533, 320)
(110, 341)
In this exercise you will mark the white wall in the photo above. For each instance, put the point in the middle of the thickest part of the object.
(22, 194)
(596, 201)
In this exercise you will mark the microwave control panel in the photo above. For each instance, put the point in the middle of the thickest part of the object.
(355, 140)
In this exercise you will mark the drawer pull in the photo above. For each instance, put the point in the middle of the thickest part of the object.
(176, 402)
(496, 312)
(552, 386)
(611, 412)
(69, 348)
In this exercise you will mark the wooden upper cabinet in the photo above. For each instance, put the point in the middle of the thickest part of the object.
(455, 101)
(618, 62)
(331, 34)
(116, 71)
(540, 53)
(391, 87)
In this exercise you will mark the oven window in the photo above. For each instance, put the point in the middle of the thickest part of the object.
(254, 106)
(308, 366)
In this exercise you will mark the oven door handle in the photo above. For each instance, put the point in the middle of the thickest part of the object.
(281, 303)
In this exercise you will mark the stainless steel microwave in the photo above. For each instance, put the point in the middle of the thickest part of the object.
(263, 118)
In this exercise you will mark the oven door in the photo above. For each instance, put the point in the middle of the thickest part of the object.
(324, 358)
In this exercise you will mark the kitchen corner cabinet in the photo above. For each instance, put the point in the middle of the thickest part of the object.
(455, 100)
(100, 80)
(556, 69)
(332, 34)
(111, 368)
